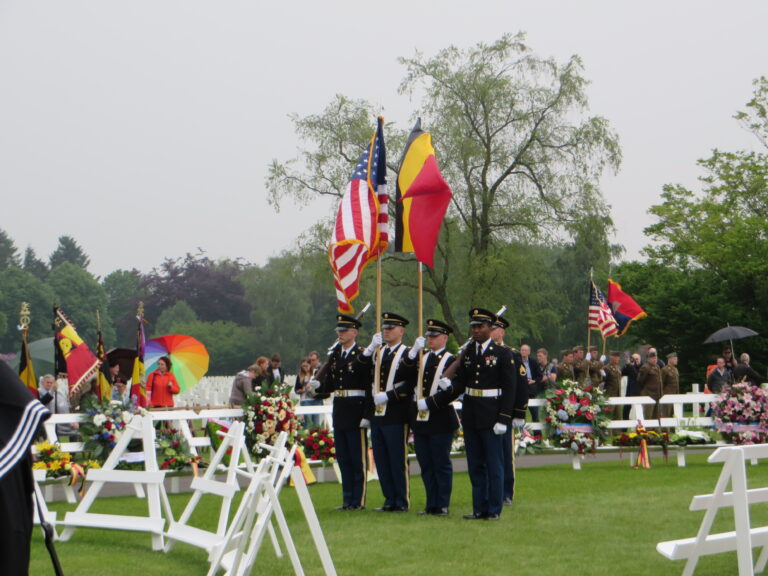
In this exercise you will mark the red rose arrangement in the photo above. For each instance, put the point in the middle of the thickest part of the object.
(318, 445)
(268, 412)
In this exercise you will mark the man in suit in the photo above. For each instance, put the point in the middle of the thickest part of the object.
(487, 377)
(394, 378)
(275, 372)
(348, 378)
(434, 421)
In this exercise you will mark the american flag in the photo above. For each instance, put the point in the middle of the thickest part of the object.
(361, 230)
(600, 314)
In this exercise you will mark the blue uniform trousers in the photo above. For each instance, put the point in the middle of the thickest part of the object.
(433, 452)
(509, 464)
(352, 456)
(389, 442)
(485, 463)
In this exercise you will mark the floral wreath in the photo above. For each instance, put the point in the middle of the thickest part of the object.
(741, 414)
(269, 411)
(105, 425)
(173, 451)
(576, 417)
(56, 463)
(318, 444)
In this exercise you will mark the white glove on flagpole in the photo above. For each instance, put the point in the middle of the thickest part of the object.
(365, 423)
(418, 344)
(422, 405)
(375, 343)
(379, 398)
(588, 357)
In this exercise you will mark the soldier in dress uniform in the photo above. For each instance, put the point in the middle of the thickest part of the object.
(649, 382)
(498, 330)
(596, 365)
(580, 364)
(670, 383)
(565, 366)
(348, 378)
(487, 377)
(613, 382)
(434, 421)
(394, 378)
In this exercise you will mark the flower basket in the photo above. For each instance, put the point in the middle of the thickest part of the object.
(741, 414)
(269, 411)
(575, 417)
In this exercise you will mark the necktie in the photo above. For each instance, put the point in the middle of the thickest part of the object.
(479, 349)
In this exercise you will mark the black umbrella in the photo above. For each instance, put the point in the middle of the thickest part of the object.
(125, 358)
(730, 333)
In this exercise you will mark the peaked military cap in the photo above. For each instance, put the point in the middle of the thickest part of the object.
(671, 355)
(436, 327)
(615, 353)
(391, 320)
(481, 316)
(501, 322)
(345, 322)
(566, 352)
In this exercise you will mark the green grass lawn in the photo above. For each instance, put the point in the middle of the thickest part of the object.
(603, 520)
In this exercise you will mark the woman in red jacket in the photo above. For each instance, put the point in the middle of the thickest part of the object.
(162, 385)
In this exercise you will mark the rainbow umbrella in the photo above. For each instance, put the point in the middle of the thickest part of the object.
(189, 358)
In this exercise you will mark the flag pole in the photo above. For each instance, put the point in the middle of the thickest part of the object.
(419, 394)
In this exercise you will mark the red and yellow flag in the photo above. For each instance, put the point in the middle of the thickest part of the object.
(422, 198)
(80, 361)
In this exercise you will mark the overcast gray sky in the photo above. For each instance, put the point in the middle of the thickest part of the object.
(144, 128)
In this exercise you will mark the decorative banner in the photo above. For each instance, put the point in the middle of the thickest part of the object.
(80, 361)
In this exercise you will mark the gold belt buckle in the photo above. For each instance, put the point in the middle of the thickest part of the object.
(422, 415)
(381, 409)
(476, 393)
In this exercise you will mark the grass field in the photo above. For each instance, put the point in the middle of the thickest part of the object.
(603, 520)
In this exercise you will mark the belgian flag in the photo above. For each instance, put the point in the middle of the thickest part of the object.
(138, 390)
(422, 198)
(26, 369)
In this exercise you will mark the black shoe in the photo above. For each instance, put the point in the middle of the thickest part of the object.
(344, 507)
(491, 517)
(355, 507)
(474, 516)
(399, 509)
(424, 512)
(384, 509)
(439, 511)
(507, 502)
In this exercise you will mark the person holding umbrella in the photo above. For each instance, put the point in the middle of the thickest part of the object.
(162, 385)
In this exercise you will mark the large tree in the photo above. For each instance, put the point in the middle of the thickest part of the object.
(513, 139)
(9, 254)
(68, 250)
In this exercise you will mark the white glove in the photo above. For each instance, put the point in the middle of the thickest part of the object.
(422, 405)
(418, 344)
(314, 384)
(365, 423)
(588, 357)
(518, 422)
(379, 398)
(603, 358)
(499, 428)
(444, 383)
(602, 373)
(375, 343)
